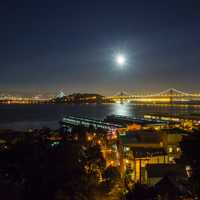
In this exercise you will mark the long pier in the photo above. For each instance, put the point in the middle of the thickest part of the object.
(76, 121)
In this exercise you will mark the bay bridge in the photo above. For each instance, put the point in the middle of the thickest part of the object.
(167, 96)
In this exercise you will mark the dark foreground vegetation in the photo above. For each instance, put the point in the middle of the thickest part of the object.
(48, 166)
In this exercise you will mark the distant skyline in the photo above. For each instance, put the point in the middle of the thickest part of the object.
(48, 45)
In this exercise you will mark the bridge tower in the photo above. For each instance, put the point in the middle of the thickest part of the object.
(171, 96)
(121, 99)
(122, 94)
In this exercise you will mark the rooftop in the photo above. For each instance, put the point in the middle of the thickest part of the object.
(140, 152)
(161, 170)
(143, 136)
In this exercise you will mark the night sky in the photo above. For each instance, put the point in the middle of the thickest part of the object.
(48, 45)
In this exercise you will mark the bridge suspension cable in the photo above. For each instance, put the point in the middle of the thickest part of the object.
(169, 92)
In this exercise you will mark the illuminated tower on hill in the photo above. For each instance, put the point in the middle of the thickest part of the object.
(61, 94)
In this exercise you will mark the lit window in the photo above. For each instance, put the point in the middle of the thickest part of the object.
(171, 159)
(127, 148)
(170, 149)
(178, 149)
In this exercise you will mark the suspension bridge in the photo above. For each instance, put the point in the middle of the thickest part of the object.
(166, 96)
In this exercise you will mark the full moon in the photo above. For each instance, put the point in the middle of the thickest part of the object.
(120, 59)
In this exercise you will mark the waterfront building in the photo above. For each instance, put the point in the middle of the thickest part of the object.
(136, 123)
(183, 121)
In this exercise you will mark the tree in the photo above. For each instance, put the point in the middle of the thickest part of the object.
(140, 192)
(190, 156)
(112, 175)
